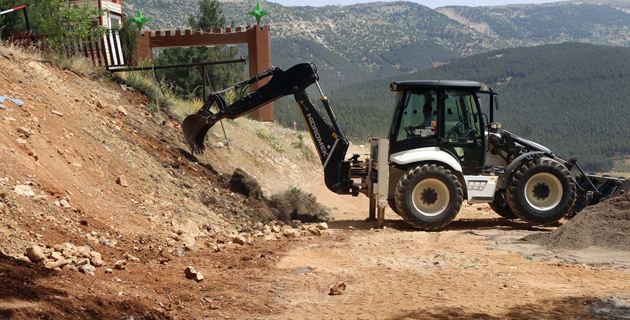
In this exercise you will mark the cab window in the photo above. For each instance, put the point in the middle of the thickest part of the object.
(417, 118)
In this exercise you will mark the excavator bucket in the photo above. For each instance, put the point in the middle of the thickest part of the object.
(195, 127)
(214, 109)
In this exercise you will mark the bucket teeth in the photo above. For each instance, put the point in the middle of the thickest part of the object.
(195, 127)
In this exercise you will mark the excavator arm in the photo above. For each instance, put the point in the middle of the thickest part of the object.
(329, 139)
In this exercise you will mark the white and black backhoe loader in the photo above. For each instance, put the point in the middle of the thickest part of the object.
(441, 150)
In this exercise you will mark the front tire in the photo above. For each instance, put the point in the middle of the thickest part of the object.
(541, 191)
(428, 197)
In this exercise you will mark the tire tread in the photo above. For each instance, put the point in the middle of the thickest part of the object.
(518, 181)
(403, 192)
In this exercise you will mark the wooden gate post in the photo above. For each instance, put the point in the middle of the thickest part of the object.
(143, 47)
(259, 51)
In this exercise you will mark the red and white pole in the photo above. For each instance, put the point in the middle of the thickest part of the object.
(11, 10)
(28, 22)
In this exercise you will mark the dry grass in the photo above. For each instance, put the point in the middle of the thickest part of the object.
(79, 65)
(186, 107)
(142, 81)
(12, 52)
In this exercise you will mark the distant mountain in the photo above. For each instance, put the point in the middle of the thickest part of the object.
(362, 40)
(526, 25)
(358, 42)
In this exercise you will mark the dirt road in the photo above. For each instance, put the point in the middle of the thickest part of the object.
(398, 273)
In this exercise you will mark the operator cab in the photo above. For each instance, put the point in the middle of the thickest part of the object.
(440, 113)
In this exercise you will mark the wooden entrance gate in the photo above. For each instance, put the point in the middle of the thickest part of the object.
(257, 38)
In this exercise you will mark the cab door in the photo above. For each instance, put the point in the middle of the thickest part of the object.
(462, 132)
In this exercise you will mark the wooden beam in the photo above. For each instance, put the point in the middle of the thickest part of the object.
(188, 38)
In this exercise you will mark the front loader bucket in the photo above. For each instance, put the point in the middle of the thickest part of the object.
(606, 187)
(195, 127)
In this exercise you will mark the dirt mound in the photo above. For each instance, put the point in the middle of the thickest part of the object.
(294, 204)
(291, 204)
(245, 184)
(606, 225)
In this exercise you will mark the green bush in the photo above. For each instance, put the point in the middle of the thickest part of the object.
(71, 23)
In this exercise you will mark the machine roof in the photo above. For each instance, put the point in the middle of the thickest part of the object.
(430, 84)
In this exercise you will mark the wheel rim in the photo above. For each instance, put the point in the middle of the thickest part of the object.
(543, 191)
(430, 197)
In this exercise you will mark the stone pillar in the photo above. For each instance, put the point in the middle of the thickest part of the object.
(259, 51)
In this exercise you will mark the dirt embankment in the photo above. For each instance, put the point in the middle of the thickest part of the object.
(102, 206)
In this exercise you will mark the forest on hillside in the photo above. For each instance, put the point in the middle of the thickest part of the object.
(563, 21)
(572, 98)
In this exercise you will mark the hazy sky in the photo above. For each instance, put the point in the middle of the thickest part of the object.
(428, 3)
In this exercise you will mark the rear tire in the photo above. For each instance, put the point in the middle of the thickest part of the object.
(428, 197)
(541, 191)
(501, 207)
(392, 205)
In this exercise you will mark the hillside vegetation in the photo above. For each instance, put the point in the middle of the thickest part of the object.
(570, 97)
(598, 23)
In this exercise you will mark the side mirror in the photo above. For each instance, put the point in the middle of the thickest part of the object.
(496, 101)
(449, 111)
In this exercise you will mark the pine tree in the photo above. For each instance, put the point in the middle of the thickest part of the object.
(209, 16)
(189, 81)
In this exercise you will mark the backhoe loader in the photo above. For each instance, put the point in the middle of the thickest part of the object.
(441, 150)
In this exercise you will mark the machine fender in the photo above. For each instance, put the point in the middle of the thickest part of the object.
(432, 154)
(517, 162)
